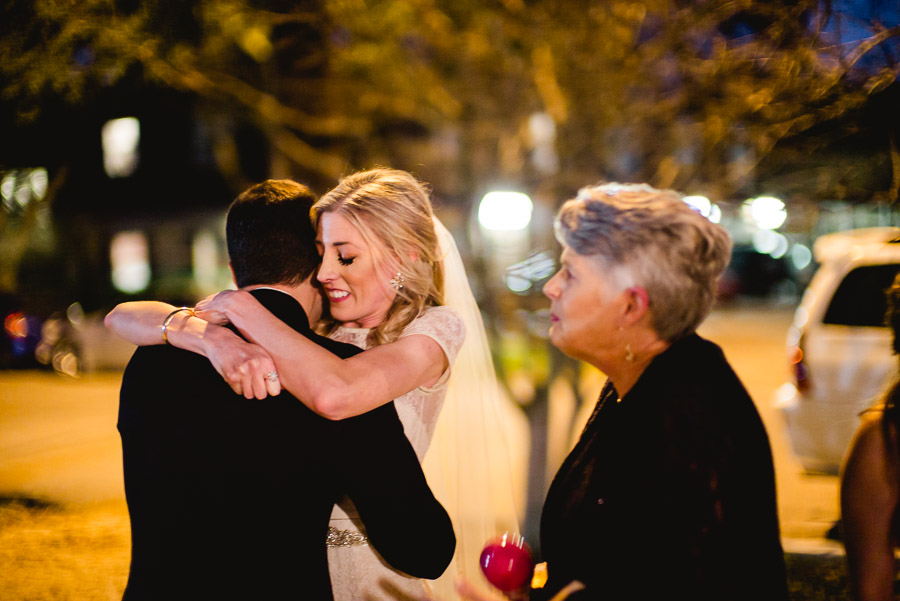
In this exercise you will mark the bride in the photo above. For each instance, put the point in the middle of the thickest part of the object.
(395, 285)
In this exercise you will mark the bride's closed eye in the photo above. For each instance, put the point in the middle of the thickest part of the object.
(345, 260)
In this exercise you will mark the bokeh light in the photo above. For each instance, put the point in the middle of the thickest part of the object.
(505, 211)
(129, 257)
(120, 139)
(766, 212)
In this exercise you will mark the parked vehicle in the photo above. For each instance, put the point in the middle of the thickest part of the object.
(839, 348)
(74, 342)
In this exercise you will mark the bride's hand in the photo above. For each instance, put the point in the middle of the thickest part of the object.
(214, 308)
(244, 365)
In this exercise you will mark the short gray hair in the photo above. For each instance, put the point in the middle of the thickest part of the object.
(664, 245)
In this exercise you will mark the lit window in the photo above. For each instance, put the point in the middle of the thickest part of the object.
(120, 139)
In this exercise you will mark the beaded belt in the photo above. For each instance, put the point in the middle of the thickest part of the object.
(345, 538)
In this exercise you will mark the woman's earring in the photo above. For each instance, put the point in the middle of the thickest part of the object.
(629, 355)
(397, 281)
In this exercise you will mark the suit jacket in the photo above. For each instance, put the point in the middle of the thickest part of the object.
(230, 498)
(669, 493)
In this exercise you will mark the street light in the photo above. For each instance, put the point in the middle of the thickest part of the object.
(505, 211)
(503, 218)
(766, 212)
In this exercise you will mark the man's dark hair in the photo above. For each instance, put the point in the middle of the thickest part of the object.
(270, 237)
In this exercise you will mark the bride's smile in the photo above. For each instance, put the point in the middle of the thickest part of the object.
(355, 281)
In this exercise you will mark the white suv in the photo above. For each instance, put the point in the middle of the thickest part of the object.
(838, 346)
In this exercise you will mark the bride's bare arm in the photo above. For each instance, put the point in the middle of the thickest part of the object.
(240, 363)
(139, 322)
(332, 387)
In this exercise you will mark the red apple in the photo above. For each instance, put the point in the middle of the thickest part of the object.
(506, 562)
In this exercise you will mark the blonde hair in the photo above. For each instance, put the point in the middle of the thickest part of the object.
(391, 210)
(658, 240)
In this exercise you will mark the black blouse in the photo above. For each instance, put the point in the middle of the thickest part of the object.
(670, 492)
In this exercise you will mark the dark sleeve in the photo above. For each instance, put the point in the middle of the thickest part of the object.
(382, 475)
(720, 484)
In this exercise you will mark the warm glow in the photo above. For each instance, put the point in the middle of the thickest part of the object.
(16, 325)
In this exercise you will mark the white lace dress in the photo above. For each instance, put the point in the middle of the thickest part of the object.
(357, 571)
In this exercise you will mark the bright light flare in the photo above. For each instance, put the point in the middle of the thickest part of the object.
(700, 203)
(505, 211)
(766, 212)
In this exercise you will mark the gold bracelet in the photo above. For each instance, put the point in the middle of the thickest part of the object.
(165, 324)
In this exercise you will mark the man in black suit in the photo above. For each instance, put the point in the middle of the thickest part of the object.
(230, 498)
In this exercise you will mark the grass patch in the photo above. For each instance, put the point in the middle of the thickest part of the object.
(813, 577)
(54, 553)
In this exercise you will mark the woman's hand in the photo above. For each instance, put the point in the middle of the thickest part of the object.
(214, 308)
(245, 366)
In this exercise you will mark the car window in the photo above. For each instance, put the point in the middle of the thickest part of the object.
(859, 299)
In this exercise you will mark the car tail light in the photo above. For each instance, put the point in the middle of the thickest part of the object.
(16, 325)
(798, 367)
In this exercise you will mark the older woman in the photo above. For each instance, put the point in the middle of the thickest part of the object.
(670, 491)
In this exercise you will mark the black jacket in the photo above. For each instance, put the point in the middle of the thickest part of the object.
(230, 498)
(669, 493)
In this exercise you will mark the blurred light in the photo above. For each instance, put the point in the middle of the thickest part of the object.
(715, 214)
(8, 185)
(542, 130)
(75, 313)
(517, 283)
(16, 325)
(65, 362)
(51, 331)
(255, 42)
(781, 246)
(505, 211)
(765, 241)
(120, 139)
(23, 193)
(530, 273)
(129, 254)
(700, 203)
(770, 243)
(786, 396)
(801, 256)
(766, 212)
(42, 352)
(38, 180)
(205, 261)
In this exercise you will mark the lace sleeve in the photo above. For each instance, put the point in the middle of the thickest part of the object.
(444, 326)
